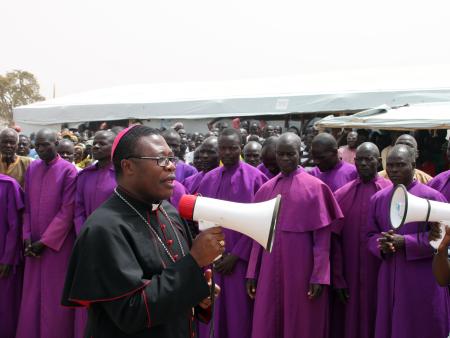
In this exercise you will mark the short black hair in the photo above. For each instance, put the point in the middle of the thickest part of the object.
(230, 132)
(127, 144)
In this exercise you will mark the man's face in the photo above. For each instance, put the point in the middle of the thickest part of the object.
(324, 157)
(174, 143)
(209, 156)
(182, 133)
(278, 130)
(23, 148)
(199, 140)
(270, 131)
(45, 147)
(399, 168)
(66, 151)
(252, 156)
(101, 148)
(288, 157)
(149, 180)
(254, 129)
(229, 150)
(8, 145)
(352, 139)
(269, 159)
(366, 163)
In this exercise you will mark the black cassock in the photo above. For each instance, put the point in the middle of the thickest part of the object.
(130, 284)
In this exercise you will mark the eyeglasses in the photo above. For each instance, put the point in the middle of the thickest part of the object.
(162, 161)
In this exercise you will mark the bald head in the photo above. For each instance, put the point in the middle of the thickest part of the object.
(369, 148)
(367, 160)
(9, 140)
(324, 151)
(288, 152)
(252, 153)
(409, 141)
(173, 140)
(326, 141)
(289, 138)
(9, 132)
(66, 149)
(209, 153)
(400, 164)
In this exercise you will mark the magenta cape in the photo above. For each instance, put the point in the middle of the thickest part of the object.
(49, 205)
(300, 257)
(11, 207)
(233, 314)
(183, 171)
(353, 266)
(261, 167)
(193, 182)
(409, 299)
(337, 177)
(94, 186)
(441, 183)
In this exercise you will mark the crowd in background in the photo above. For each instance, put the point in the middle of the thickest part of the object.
(91, 171)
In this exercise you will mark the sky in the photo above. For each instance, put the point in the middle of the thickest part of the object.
(89, 44)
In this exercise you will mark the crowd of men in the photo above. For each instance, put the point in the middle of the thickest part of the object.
(337, 268)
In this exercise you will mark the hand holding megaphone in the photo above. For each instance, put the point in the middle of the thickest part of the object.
(208, 245)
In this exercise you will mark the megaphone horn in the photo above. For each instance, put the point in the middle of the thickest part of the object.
(256, 220)
(406, 208)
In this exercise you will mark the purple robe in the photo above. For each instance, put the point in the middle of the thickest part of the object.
(183, 171)
(49, 209)
(178, 191)
(233, 309)
(300, 257)
(337, 177)
(11, 207)
(193, 182)
(94, 186)
(410, 303)
(441, 183)
(354, 267)
(261, 167)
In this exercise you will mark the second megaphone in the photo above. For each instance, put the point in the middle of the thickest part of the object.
(406, 208)
(256, 220)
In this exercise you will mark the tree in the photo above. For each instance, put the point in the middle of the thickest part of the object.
(17, 88)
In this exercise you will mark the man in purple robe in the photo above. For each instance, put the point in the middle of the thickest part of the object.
(235, 181)
(11, 269)
(355, 270)
(290, 284)
(48, 236)
(95, 184)
(182, 170)
(441, 182)
(209, 157)
(269, 166)
(410, 303)
(329, 169)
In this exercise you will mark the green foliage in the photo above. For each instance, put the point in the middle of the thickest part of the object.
(17, 88)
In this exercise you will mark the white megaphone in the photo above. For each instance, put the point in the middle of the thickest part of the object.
(406, 208)
(256, 220)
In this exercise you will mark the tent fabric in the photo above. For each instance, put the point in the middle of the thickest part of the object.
(434, 115)
(324, 92)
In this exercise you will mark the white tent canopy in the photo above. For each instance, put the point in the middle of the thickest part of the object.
(325, 92)
(418, 116)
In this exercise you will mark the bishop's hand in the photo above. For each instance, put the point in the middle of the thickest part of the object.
(208, 245)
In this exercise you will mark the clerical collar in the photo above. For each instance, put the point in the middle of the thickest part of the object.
(132, 198)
